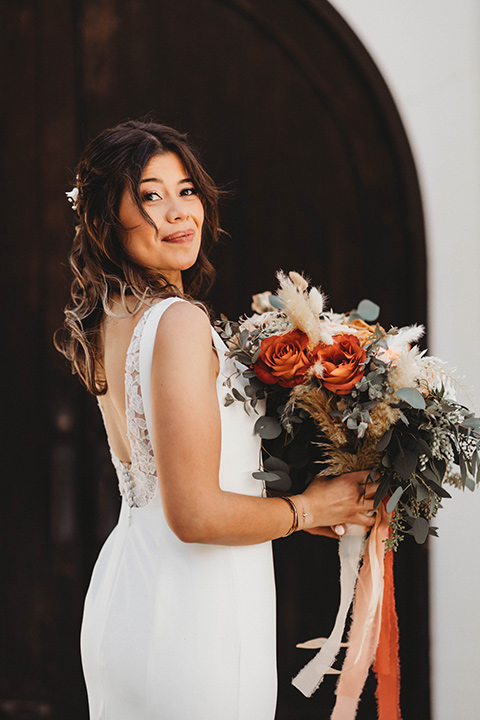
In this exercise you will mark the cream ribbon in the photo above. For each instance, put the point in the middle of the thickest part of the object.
(365, 623)
(350, 551)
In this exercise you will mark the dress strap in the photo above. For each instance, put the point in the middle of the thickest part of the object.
(147, 344)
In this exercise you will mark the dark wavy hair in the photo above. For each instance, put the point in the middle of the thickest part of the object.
(112, 162)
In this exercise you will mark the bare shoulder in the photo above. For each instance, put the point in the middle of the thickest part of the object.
(184, 325)
(184, 320)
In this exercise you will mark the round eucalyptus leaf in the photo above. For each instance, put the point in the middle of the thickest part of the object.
(274, 464)
(411, 396)
(368, 310)
(420, 530)
(405, 463)
(268, 428)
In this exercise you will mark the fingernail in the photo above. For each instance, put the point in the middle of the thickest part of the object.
(339, 529)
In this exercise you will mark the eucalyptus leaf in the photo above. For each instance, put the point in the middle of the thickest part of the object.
(372, 475)
(274, 463)
(412, 397)
(275, 302)
(428, 474)
(392, 503)
(242, 338)
(228, 400)
(384, 441)
(382, 491)
(243, 358)
(268, 428)
(405, 463)
(419, 530)
(436, 487)
(471, 422)
(256, 383)
(282, 484)
(440, 468)
(237, 395)
(368, 310)
(421, 492)
(424, 447)
(470, 483)
(267, 476)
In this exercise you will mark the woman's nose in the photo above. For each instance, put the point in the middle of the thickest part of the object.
(176, 210)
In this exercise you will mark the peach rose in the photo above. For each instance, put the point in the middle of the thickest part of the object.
(365, 331)
(343, 363)
(283, 359)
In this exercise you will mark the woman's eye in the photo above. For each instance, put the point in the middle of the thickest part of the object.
(150, 196)
(189, 191)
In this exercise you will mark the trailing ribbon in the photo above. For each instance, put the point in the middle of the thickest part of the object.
(369, 590)
(350, 551)
(386, 665)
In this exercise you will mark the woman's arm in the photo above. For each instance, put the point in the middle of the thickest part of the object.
(187, 441)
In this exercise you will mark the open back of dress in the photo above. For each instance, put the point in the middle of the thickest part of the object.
(177, 631)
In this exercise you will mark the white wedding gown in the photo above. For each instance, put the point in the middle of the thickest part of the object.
(177, 631)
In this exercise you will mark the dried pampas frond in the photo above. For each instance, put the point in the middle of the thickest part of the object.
(405, 337)
(383, 416)
(303, 307)
(341, 461)
(319, 404)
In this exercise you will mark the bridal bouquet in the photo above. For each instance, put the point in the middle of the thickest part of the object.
(376, 402)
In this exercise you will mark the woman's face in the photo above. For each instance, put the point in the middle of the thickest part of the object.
(170, 199)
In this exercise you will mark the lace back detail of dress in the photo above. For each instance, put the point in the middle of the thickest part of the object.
(140, 479)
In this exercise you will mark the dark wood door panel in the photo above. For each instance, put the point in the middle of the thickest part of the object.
(293, 117)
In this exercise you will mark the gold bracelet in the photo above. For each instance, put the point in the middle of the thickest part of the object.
(293, 508)
(303, 515)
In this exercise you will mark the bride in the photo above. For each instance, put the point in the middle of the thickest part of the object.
(179, 619)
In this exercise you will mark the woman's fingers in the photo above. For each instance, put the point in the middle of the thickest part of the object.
(324, 531)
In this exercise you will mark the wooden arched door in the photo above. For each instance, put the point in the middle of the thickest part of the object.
(294, 118)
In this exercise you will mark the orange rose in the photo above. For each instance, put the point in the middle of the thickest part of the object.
(283, 359)
(343, 363)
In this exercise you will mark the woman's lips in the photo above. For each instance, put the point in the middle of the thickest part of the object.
(182, 237)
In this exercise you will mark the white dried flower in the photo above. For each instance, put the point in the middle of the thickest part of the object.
(73, 197)
(261, 302)
(298, 279)
(405, 337)
(303, 308)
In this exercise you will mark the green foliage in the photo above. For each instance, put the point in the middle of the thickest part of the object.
(416, 455)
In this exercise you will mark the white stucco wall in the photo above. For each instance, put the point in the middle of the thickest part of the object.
(429, 53)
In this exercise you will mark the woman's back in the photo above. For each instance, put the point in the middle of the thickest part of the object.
(171, 629)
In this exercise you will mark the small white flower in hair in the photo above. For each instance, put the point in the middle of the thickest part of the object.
(72, 196)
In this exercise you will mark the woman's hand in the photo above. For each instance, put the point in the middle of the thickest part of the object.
(330, 503)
